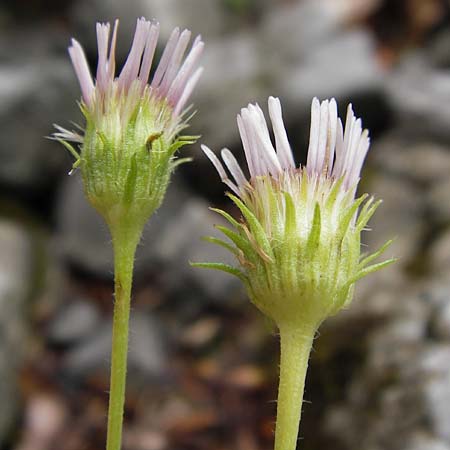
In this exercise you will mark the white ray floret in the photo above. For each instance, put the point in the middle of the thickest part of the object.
(333, 153)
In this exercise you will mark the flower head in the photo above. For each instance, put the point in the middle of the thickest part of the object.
(132, 122)
(298, 245)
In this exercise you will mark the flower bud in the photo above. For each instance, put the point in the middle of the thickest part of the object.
(298, 243)
(128, 144)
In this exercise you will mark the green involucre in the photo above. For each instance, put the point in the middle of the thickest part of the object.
(126, 159)
(298, 248)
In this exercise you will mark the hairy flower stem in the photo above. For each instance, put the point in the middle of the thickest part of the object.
(125, 244)
(295, 349)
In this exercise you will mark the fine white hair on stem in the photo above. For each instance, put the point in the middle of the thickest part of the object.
(334, 152)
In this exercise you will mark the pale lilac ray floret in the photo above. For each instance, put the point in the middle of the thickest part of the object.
(174, 79)
(334, 153)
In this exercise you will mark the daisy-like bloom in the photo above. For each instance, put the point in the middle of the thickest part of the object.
(298, 243)
(132, 122)
(126, 155)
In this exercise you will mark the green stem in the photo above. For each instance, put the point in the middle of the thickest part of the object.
(124, 250)
(295, 349)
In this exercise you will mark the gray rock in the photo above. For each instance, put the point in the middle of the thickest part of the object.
(39, 82)
(182, 242)
(169, 13)
(83, 237)
(308, 24)
(148, 353)
(438, 196)
(16, 275)
(74, 322)
(415, 90)
(435, 364)
(225, 88)
(441, 322)
(399, 397)
(170, 240)
(337, 67)
(92, 354)
(437, 53)
(423, 162)
(318, 59)
(436, 296)
(147, 350)
(406, 327)
(439, 254)
(399, 216)
(436, 293)
(423, 441)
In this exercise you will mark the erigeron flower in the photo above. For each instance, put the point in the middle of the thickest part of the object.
(298, 242)
(128, 144)
(126, 155)
(298, 245)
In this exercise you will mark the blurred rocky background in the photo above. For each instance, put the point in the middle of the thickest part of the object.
(203, 362)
